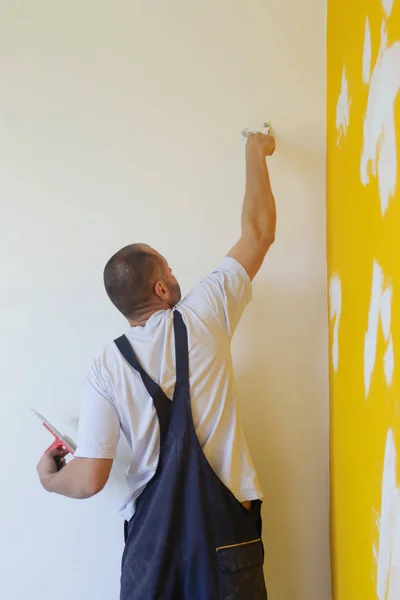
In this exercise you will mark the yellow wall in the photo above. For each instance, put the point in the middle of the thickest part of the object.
(364, 271)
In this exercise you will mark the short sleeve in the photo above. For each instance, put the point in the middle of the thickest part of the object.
(223, 295)
(99, 425)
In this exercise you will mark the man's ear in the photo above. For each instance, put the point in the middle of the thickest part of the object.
(161, 290)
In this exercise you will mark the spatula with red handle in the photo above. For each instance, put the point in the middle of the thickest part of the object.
(60, 441)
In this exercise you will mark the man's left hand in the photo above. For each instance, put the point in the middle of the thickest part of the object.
(47, 466)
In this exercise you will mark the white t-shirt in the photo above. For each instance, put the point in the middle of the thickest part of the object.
(115, 398)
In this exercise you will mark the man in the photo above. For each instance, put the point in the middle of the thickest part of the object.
(192, 520)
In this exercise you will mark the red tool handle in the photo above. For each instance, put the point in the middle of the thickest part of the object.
(58, 444)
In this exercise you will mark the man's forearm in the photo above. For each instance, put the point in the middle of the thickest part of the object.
(75, 480)
(259, 211)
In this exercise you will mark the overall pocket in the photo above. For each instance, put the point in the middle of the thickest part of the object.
(241, 571)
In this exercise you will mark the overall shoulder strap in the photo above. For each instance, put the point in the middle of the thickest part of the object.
(181, 350)
(162, 404)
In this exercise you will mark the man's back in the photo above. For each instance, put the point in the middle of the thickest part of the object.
(115, 396)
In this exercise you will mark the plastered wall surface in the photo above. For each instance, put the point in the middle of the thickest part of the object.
(120, 122)
(364, 272)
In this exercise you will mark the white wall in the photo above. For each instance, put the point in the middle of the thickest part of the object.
(120, 122)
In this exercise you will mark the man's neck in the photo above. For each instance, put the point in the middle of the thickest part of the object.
(142, 319)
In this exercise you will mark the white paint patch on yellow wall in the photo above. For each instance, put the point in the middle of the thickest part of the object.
(343, 109)
(335, 311)
(388, 6)
(388, 552)
(379, 154)
(371, 336)
(367, 53)
(380, 309)
(386, 320)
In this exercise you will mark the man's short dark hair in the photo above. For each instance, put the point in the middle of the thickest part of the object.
(129, 279)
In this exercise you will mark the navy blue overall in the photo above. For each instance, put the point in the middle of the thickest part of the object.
(190, 538)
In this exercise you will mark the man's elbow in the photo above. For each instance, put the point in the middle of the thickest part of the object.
(92, 486)
(92, 474)
(266, 241)
(262, 238)
(263, 243)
